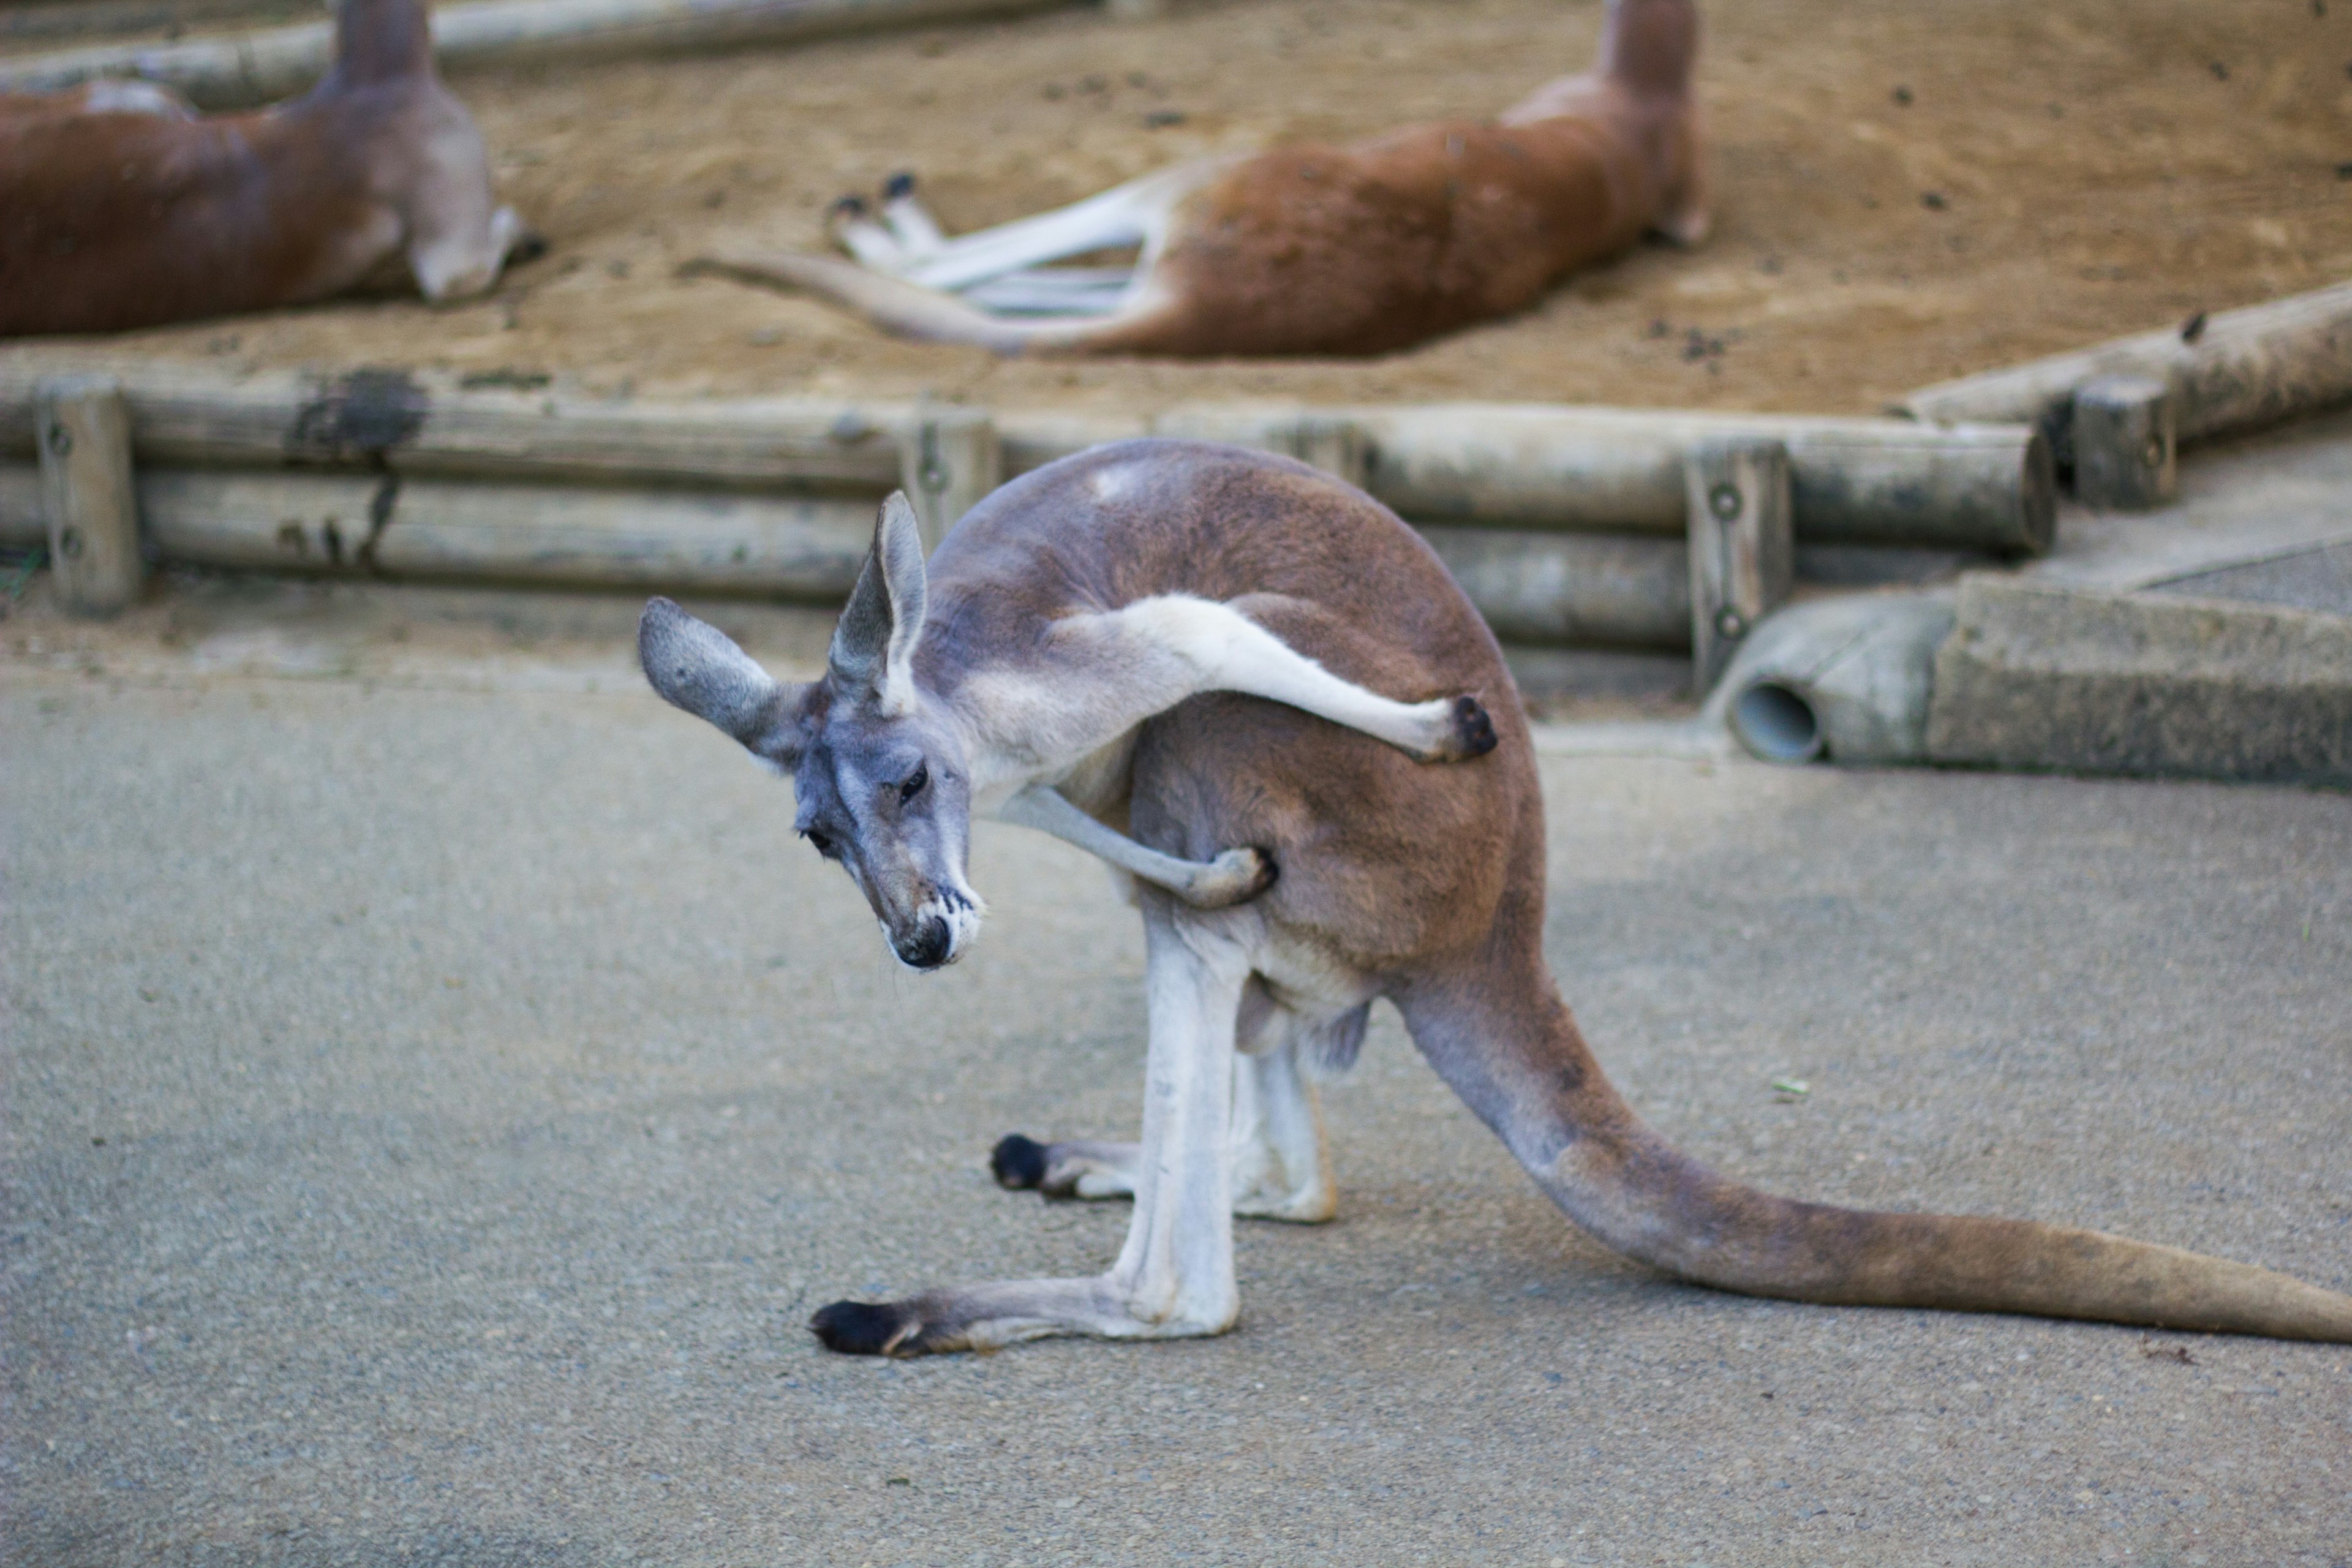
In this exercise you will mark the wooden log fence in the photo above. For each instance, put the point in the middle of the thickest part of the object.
(243, 69)
(1579, 532)
(2233, 371)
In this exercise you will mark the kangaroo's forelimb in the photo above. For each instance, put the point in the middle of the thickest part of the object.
(1233, 877)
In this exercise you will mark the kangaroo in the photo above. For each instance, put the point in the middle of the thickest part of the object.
(121, 208)
(1309, 250)
(1182, 644)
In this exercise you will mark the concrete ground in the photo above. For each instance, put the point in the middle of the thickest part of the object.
(438, 1090)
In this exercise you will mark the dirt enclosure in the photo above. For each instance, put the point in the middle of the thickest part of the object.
(1904, 192)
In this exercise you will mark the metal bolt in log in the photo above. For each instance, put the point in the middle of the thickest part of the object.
(1742, 544)
(948, 459)
(2124, 430)
(84, 438)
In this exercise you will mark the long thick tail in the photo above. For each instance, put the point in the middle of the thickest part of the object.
(381, 40)
(914, 311)
(1520, 1063)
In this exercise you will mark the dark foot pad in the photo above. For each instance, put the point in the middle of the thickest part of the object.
(1474, 729)
(901, 184)
(1019, 1164)
(862, 1327)
(852, 205)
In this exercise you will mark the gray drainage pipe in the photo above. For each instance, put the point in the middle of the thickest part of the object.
(1844, 679)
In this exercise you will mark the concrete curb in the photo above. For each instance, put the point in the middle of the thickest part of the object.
(2039, 675)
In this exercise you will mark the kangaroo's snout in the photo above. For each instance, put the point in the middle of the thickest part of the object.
(927, 947)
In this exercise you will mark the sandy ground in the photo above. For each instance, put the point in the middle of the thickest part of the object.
(437, 1093)
(2092, 172)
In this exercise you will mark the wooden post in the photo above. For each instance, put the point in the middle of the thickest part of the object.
(949, 459)
(2123, 441)
(1742, 547)
(83, 429)
(1337, 446)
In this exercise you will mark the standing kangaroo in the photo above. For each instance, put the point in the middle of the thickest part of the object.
(121, 208)
(1080, 654)
(1309, 250)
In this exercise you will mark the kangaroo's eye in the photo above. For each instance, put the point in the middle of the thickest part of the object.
(915, 782)
(821, 841)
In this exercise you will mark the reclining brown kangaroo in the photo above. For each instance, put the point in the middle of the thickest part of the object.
(1309, 250)
(121, 208)
(1070, 657)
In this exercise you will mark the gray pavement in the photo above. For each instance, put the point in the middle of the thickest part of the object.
(437, 1090)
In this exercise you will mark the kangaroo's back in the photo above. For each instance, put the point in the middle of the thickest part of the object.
(1384, 859)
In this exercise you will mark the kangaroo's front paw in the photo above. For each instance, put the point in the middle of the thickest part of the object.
(1234, 877)
(1464, 729)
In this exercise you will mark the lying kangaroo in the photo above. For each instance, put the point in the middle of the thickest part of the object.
(121, 208)
(1311, 249)
(1083, 644)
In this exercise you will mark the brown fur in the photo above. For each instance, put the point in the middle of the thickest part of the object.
(1383, 243)
(1432, 880)
(111, 220)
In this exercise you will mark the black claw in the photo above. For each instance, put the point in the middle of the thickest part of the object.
(530, 247)
(851, 206)
(858, 1327)
(1019, 1162)
(901, 184)
(1474, 728)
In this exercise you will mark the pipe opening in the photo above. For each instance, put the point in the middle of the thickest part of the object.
(1777, 723)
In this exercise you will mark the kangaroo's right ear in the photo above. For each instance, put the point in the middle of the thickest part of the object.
(698, 667)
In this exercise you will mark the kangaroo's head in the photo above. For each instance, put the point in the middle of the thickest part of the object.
(881, 770)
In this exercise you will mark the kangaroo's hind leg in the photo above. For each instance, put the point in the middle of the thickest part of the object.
(1174, 1277)
(1126, 665)
(1281, 1166)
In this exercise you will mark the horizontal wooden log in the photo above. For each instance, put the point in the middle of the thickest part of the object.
(1571, 589)
(1540, 465)
(1530, 466)
(1554, 589)
(2234, 370)
(391, 418)
(427, 529)
(22, 23)
(240, 70)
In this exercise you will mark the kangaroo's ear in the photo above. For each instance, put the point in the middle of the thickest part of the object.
(874, 646)
(698, 667)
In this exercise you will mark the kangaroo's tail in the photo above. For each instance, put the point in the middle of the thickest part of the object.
(911, 310)
(1533, 1080)
(382, 40)
(1650, 44)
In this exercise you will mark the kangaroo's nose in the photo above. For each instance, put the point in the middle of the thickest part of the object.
(928, 948)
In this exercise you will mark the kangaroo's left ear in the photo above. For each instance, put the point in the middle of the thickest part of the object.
(874, 645)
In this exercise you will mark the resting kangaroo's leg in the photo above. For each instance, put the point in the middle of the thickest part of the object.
(1175, 1275)
(1231, 878)
(1113, 669)
(1133, 213)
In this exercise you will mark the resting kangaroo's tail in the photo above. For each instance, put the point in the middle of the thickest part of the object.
(1515, 1054)
(382, 40)
(912, 310)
